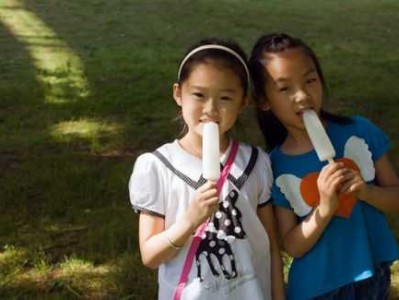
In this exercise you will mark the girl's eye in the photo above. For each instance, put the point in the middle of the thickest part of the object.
(226, 98)
(311, 80)
(283, 89)
(198, 95)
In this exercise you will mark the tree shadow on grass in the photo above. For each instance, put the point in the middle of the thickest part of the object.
(70, 152)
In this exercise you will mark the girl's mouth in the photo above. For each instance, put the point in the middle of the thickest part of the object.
(209, 121)
(300, 112)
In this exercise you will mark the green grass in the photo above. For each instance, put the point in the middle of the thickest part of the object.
(85, 87)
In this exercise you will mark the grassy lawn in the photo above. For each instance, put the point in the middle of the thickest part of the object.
(85, 87)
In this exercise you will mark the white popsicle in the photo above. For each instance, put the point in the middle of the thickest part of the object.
(210, 151)
(318, 136)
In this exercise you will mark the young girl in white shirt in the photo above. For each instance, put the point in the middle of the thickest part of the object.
(237, 255)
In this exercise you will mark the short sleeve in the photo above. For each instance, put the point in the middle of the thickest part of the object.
(278, 198)
(377, 140)
(266, 178)
(146, 188)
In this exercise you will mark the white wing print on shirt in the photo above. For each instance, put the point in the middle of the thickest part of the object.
(355, 149)
(289, 186)
(358, 150)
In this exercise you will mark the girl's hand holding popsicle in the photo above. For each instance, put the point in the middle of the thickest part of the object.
(333, 179)
(205, 201)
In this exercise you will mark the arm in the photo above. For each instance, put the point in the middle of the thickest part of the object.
(299, 238)
(266, 216)
(385, 195)
(157, 244)
(154, 245)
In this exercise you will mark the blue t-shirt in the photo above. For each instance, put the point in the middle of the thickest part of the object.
(350, 247)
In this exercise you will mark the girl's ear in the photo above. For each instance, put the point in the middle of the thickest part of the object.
(245, 102)
(177, 93)
(263, 104)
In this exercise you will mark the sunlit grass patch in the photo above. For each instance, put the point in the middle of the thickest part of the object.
(59, 69)
(74, 265)
(12, 260)
(97, 134)
(10, 253)
(84, 128)
(21, 270)
(31, 273)
(84, 276)
(395, 279)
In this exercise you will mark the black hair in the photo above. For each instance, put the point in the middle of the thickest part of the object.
(227, 59)
(272, 129)
(223, 57)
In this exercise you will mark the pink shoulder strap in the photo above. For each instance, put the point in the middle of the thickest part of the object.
(201, 229)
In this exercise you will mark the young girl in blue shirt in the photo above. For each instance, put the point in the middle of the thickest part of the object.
(336, 255)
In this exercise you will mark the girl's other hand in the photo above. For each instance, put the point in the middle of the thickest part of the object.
(354, 183)
(204, 203)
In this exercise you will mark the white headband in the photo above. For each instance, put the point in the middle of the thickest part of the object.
(220, 47)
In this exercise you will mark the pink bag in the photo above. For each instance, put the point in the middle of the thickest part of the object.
(201, 229)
